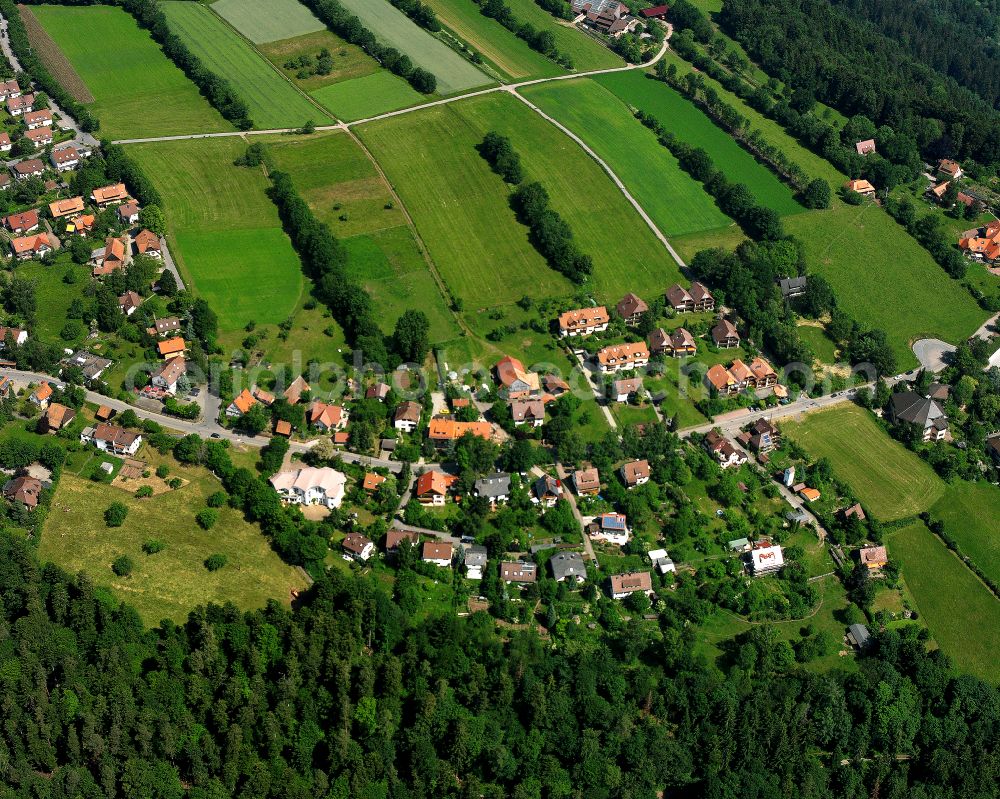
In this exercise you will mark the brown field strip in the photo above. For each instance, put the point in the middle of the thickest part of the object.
(57, 63)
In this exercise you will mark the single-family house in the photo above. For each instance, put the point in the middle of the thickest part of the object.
(494, 487)
(630, 583)
(518, 571)
(9, 89)
(515, 379)
(407, 416)
(630, 308)
(764, 436)
(6, 388)
(476, 557)
(725, 335)
(265, 398)
(128, 212)
(395, 537)
(92, 366)
(166, 326)
(546, 491)
(442, 431)
(326, 417)
(40, 396)
(568, 566)
(873, 558)
(22, 223)
(24, 490)
(554, 385)
(529, 412)
(858, 636)
(583, 321)
(5, 144)
(792, 287)
(921, 412)
(171, 348)
(109, 195)
(295, 390)
(371, 482)
(437, 552)
(432, 488)
(168, 373)
(82, 225)
(635, 473)
(724, 451)
(112, 256)
(854, 512)
(358, 547)
(621, 357)
(128, 302)
(587, 482)
(67, 207)
(38, 119)
(610, 527)
(65, 158)
(377, 391)
(25, 248)
(17, 334)
(809, 494)
(146, 242)
(623, 390)
(865, 147)
(766, 560)
(29, 168)
(241, 404)
(112, 438)
(55, 418)
(862, 187)
(282, 427)
(310, 486)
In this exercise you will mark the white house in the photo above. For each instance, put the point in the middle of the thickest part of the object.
(475, 562)
(766, 560)
(611, 527)
(358, 547)
(168, 374)
(112, 438)
(661, 560)
(310, 486)
(407, 416)
(437, 552)
(630, 583)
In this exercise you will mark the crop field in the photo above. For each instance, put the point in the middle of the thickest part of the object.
(891, 482)
(224, 232)
(461, 208)
(273, 101)
(586, 53)
(368, 96)
(349, 60)
(691, 125)
(393, 27)
(268, 20)
(961, 613)
(55, 60)
(138, 91)
(970, 512)
(493, 41)
(884, 278)
(174, 581)
(345, 190)
(676, 202)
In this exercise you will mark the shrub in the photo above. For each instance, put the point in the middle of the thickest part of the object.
(122, 566)
(218, 499)
(153, 546)
(115, 515)
(143, 492)
(175, 483)
(215, 562)
(207, 518)
(162, 470)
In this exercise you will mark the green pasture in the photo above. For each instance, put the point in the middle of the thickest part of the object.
(138, 91)
(586, 52)
(349, 60)
(272, 100)
(367, 96)
(970, 512)
(891, 482)
(268, 20)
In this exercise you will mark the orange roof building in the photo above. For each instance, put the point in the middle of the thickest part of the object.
(115, 193)
(862, 187)
(722, 380)
(623, 356)
(61, 208)
(283, 428)
(81, 225)
(372, 481)
(171, 348)
(242, 403)
(444, 430)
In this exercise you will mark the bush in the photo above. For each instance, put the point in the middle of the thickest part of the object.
(162, 470)
(218, 499)
(122, 566)
(175, 483)
(143, 492)
(153, 546)
(115, 515)
(215, 562)
(207, 518)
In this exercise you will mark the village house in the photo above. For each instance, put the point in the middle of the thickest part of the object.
(38, 119)
(18, 335)
(515, 379)
(241, 404)
(128, 212)
(29, 168)
(129, 302)
(698, 298)
(394, 537)
(725, 335)
(265, 398)
(9, 89)
(635, 473)
(358, 547)
(326, 417)
(982, 244)
(23, 490)
(622, 585)
(807, 493)
(723, 450)
(40, 137)
(568, 566)
(623, 390)
(109, 195)
(165, 326)
(171, 348)
(22, 223)
(112, 438)
(519, 572)
(719, 378)
(949, 170)
(866, 147)
(610, 527)
(377, 391)
(792, 287)
(475, 558)
(443, 431)
(5, 143)
(371, 482)
(529, 412)
(432, 488)
(65, 158)
(283, 427)
(407, 416)
(5, 181)
(873, 558)
(554, 385)
(494, 487)
(766, 560)
(437, 552)
(55, 418)
(862, 187)
(310, 486)
(20, 105)
(296, 389)
(40, 396)
(89, 364)
(630, 308)
(587, 482)
(921, 412)
(112, 256)
(661, 561)
(25, 248)
(621, 357)
(81, 225)
(68, 207)
(546, 491)
(167, 375)
(147, 243)
(583, 321)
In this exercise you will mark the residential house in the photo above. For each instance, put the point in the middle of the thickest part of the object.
(609, 17)
(407, 416)
(718, 377)
(742, 374)
(89, 364)
(40, 137)
(546, 491)
(129, 302)
(395, 537)
(109, 195)
(24, 490)
(65, 158)
(494, 487)
(699, 298)
(854, 512)
(357, 547)
(377, 391)
(167, 375)
(949, 170)
(9, 89)
(623, 390)
(764, 376)
(659, 341)
(112, 256)
(764, 436)
(6, 387)
(67, 207)
(725, 335)
(5, 143)
(241, 404)
(682, 344)
(568, 566)
(55, 418)
(327, 417)
(20, 105)
(635, 473)
(623, 356)
(22, 223)
(583, 321)
(862, 187)
(873, 558)
(630, 308)
(724, 451)
(147, 243)
(112, 438)
(622, 585)
(171, 348)
(922, 412)
(610, 527)
(809, 494)
(518, 571)
(432, 488)
(939, 392)
(310, 486)
(166, 326)
(656, 12)
(29, 168)
(587, 482)
(443, 431)
(18, 335)
(295, 390)
(128, 212)
(858, 636)
(517, 381)
(25, 248)
(263, 397)
(283, 428)
(437, 552)
(766, 560)
(372, 481)
(103, 413)
(866, 147)
(476, 557)
(38, 119)
(792, 287)
(40, 396)
(81, 225)
(554, 385)
(661, 561)
(528, 411)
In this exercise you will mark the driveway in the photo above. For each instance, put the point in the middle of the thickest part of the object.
(933, 354)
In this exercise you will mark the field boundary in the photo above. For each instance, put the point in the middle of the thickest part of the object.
(54, 58)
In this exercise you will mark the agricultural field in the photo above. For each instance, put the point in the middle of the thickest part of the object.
(272, 100)
(462, 211)
(501, 48)
(268, 20)
(891, 482)
(174, 581)
(691, 125)
(368, 96)
(349, 60)
(223, 230)
(345, 190)
(961, 613)
(137, 90)
(586, 53)
(394, 28)
(970, 512)
(884, 278)
(676, 202)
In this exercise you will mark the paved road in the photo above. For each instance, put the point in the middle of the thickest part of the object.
(168, 262)
(588, 546)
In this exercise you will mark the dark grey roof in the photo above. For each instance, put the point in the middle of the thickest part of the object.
(475, 556)
(546, 485)
(568, 564)
(793, 285)
(910, 407)
(797, 515)
(859, 633)
(496, 485)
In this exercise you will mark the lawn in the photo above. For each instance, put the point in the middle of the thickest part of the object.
(884, 278)
(273, 101)
(394, 28)
(970, 512)
(691, 125)
(462, 211)
(172, 582)
(676, 202)
(268, 20)
(349, 60)
(822, 346)
(495, 43)
(345, 190)
(138, 91)
(587, 53)
(961, 613)
(224, 232)
(891, 482)
(367, 96)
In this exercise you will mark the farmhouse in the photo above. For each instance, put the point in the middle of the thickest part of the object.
(528, 411)
(310, 486)
(873, 558)
(407, 416)
(866, 147)
(725, 335)
(623, 356)
(766, 560)
(583, 321)
(38, 119)
(635, 473)
(358, 547)
(517, 381)
(656, 12)
(622, 390)
(546, 491)
(109, 195)
(30, 168)
(518, 571)
(432, 487)
(171, 348)
(65, 159)
(241, 404)
(630, 583)
(862, 187)
(55, 418)
(441, 431)
(437, 552)
(27, 247)
(587, 482)
(327, 417)
(112, 438)
(23, 490)
(61, 208)
(147, 243)
(128, 302)
(606, 16)
(494, 487)
(921, 412)
(22, 223)
(610, 527)
(40, 137)
(568, 566)
(630, 308)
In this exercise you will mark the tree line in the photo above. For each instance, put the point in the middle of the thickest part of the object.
(419, 12)
(542, 41)
(348, 27)
(557, 8)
